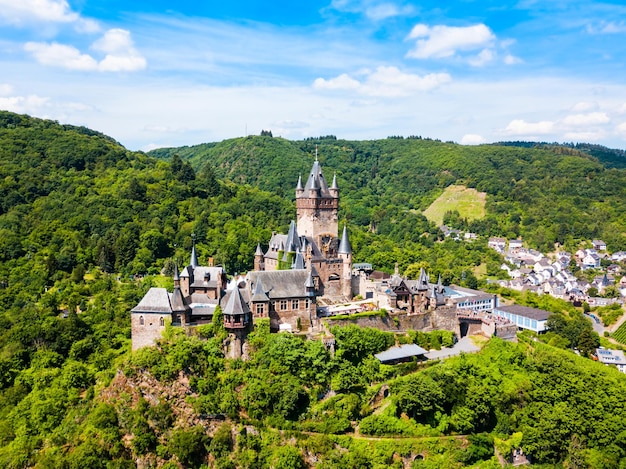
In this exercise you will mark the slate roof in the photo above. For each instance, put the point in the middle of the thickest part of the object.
(156, 300)
(279, 241)
(201, 272)
(293, 239)
(259, 292)
(400, 352)
(345, 247)
(177, 301)
(280, 284)
(525, 311)
(235, 304)
(316, 185)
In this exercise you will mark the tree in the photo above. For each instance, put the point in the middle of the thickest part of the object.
(189, 445)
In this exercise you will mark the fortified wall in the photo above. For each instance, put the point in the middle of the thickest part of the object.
(439, 319)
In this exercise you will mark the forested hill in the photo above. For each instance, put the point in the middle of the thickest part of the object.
(72, 198)
(609, 157)
(545, 194)
(79, 215)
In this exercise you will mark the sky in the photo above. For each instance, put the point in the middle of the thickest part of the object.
(156, 74)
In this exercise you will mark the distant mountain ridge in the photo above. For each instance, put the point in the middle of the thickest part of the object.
(609, 157)
(544, 193)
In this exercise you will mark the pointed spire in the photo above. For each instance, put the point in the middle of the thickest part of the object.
(235, 304)
(299, 186)
(176, 276)
(293, 239)
(423, 279)
(316, 153)
(193, 262)
(345, 247)
(259, 251)
(315, 183)
(177, 301)
(334, 184)
(310, 283)
(298, 263)
(259, 292)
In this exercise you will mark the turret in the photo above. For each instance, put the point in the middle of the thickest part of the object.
(345, 247)
(334, 188)
(299, 188)
(259, 263)
(236, 312)
(193, 262)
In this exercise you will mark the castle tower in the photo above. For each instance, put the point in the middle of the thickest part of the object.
(317, 206)
(259, 263)
(345, 252)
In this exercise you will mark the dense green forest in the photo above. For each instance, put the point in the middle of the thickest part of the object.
(86, 227)
(545, 194)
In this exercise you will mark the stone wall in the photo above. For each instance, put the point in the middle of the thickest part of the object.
(506, 331)
(146, 334)
(441, 319)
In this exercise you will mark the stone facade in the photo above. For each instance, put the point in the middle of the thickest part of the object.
(145, 327)
(313, 241)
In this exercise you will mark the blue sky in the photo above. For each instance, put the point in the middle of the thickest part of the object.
(155, 73)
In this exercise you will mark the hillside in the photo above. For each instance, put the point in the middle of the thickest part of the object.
(544, 195)
(86, 226)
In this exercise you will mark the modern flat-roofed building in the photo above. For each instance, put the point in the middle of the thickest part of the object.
(524, 317)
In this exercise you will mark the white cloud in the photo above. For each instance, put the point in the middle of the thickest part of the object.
(32, 104)
(373, 9)
(385, 82)
(473, 139)
(583, 120)
(60, 55)
(485, 56)
(588, 136)
(116, 43)
(18, 12)
(388, 10)
(585, 106)
(512, 60)
(341, 82)
(445, 41)
(5, 89)
(621, 130)
(520, 127)
(607, 27)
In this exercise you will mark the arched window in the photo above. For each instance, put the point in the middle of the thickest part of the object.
(161, 322)
(141, 320)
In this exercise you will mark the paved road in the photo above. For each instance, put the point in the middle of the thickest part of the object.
(465, 345)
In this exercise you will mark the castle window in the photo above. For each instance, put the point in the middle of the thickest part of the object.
(283, 305)
(260, 309)
(161, 322)
(295, 304)
(141, 320)
(307, 303)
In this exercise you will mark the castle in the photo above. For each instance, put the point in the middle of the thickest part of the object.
(308, 262)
